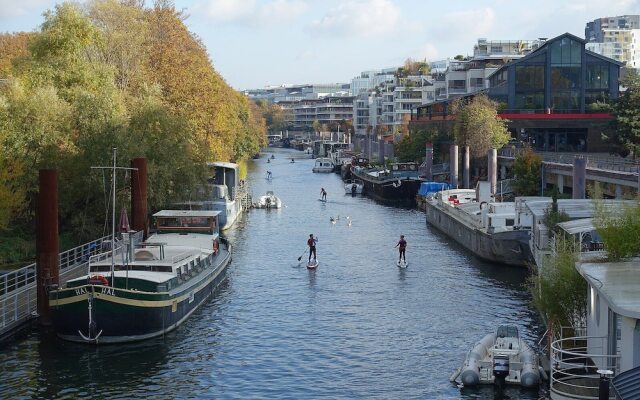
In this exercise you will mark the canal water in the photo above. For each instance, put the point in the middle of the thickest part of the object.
(357, 328)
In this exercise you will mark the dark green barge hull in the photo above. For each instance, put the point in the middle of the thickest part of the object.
(120, 315)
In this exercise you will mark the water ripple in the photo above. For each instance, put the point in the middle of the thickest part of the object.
(357, 328)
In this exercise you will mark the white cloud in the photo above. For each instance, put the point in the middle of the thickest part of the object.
(359, 18)
(12, 8)
(428, 52)
(254, 13)
(229, 10)
(469, 23)
(282, 10)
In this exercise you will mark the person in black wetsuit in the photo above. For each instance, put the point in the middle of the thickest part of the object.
(311, 242)
(323, 194)
(402, 247)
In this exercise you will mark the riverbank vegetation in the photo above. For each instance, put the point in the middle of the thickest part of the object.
(111, 74)
(557, 290)
(620, 231)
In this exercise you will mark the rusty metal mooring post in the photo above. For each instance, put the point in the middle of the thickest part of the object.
(47, 242)
(139, 196)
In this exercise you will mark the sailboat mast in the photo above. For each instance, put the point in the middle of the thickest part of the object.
(113, 219)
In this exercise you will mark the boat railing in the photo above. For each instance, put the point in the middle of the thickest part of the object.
(18, 288)
(575, 361)
(182, 256)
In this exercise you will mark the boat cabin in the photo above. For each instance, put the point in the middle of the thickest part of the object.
(323, 164)
(184, 243)
(187, 221)
(224, 178)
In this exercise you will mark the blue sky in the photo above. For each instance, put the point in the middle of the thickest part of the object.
(255, 43)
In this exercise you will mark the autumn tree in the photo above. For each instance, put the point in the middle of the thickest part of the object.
(14, 49)
(478, 126)
(526, 168)
(626, 112)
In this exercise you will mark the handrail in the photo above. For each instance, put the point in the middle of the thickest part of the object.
(26, 276)
(573, 369)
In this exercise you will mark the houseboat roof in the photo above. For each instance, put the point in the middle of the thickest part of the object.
(186, 213)
(222, 164)
(617, 282)
(575, 208)
(577, 226)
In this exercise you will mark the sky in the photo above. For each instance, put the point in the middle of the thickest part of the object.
(259, 43)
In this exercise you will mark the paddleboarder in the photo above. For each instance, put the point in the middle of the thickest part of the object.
(323, 194)
(311, 242)
(402, 247)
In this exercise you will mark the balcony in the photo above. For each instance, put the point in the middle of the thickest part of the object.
(575, 361)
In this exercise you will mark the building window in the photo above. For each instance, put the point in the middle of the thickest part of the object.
(529, 77)
(566, 52)
(597, 76)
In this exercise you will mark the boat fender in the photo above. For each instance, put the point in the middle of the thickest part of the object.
(455, 375)
(543, 374)
(216, 247)
(530, 375)
(397, 184)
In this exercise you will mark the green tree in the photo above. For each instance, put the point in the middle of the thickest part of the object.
(526, 168)
(478, 126)
(412, 146)
(619, 229)
(626, 112)
(558, 290)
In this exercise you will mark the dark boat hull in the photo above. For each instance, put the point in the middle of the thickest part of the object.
(390, 190)
(510, 247)
(124, 315)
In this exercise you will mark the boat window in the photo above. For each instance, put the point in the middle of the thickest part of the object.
(507, 331)
(510, 222)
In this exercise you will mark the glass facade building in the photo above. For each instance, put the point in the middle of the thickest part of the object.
(560, 76)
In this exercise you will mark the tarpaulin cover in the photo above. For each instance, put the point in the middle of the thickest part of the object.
(427, 188)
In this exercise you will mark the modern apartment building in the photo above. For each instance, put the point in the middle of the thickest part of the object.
(594, 30)
(616, 38)
(288, 93)
(552, 97)
(470, 75)
(327, 110)
(368, 80)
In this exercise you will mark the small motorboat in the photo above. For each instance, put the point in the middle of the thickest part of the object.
(323, 164)
(269, 201)
(497, 352)
(353, 186)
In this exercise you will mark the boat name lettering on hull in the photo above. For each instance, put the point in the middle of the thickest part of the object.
(80, 291)
(108, 290)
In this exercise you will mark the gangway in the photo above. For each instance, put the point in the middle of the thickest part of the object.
(18, 300)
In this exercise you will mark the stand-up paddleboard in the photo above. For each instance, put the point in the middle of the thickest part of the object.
(324, 201)
(403, 264)
(313, 264)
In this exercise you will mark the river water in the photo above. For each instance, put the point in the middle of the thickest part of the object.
(357, 328)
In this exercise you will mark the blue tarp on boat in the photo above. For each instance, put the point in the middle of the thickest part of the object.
(427, 188)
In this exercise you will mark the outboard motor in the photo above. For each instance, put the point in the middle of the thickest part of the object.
(500, 373)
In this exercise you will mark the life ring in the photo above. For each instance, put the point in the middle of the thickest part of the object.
(216, 247)
(98, 280)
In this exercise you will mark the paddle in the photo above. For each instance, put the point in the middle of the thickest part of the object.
(300, 258)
